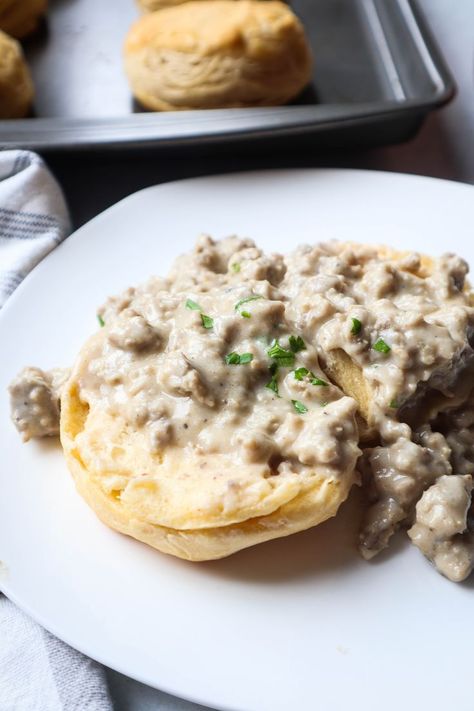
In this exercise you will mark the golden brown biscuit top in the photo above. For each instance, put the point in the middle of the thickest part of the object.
(213, 27)
(20, 18)
(7, 5)
(10, 53)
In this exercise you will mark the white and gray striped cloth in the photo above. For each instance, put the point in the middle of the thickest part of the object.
(38, 672)
(33, 216)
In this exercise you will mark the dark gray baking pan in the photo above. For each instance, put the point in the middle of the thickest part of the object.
(377, 74)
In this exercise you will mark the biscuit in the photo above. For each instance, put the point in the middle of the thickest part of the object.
(174, 444)
(217, 54)
(20, 18)
(16, 85)
(309, 509)
(153, 5)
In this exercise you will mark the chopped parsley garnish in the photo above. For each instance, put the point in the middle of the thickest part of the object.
(381, 347)
(356, 326)
(299, 407)
(232, 358)
(296, 344)
(245, 314)
(247, 300)
(273, 385)
(235, 267)
(207, 321)
(284, 358)
(192, 305)
(273, 368)
(100, 320)
(393, 404)
(301, 373)
(238, 359)
(318, 381)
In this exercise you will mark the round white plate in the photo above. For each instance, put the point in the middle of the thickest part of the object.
(297, 624)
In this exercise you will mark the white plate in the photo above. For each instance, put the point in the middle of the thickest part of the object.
(297, 624)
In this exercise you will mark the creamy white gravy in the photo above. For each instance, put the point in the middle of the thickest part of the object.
(407, 325)
(216, 370)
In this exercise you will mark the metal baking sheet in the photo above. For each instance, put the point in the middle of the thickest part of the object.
(377, 74)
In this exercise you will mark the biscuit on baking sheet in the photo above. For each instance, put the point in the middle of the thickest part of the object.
(20, 18)
(217, 54)
(16, 85)
(153, 5)
(177, 433)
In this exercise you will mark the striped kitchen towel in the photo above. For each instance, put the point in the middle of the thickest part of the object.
(33, 216)
(38, 672)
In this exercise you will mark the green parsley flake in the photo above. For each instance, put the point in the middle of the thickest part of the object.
(273, 385)
(299, 407)
(301, 373)
(246, 301)
(245, 314)
(100, 320)
(236, 267)
(207, 321)
(192, 305)
(237, 359)
(284, 358)
(381, 347)
(356, 326)
(232, 358)
(393, 404)
(297, 344)
(318, 381)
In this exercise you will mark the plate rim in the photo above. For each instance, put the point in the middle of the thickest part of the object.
(259, 174)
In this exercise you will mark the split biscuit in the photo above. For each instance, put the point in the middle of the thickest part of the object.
(175, 439)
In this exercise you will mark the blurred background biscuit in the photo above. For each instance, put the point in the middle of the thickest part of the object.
(152, 5)
(20, 18)
(16, 86)
(217, 54)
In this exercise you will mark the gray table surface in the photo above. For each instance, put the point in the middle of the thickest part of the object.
(444, 148)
